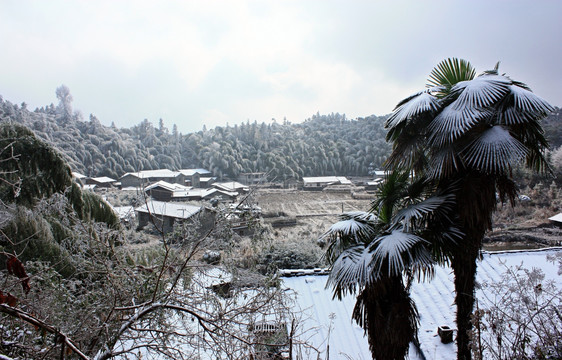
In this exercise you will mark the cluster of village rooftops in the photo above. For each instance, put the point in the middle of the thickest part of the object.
(168, 191)
(194, 184)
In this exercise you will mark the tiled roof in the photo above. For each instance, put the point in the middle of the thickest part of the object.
(168, 186)
(103, 179)
(331, 319)
(170, 209)
(191, 172)
(161, 173)
(230, 186)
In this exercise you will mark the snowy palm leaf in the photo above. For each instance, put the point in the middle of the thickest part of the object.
(350, 271)
(453, 122)
(443, 163)
(395, 248)
(354, 224)
(525, 106)
(494, 150)
(354, 228)
(423, 209)
(526, 100)
(480, 92)
(416, 105)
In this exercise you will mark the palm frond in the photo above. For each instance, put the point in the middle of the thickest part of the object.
(524, 106)
(494, 151)
(443, 163)
(353, 228)
(394, 249)
(422, 210)
(453, 122)
(480, 92)
(420, 103)
(350, 272)
(449, 72)
(391, 194)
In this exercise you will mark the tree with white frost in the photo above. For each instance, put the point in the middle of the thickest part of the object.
(469, 130)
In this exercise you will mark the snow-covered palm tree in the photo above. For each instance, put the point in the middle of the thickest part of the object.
(470, 130)
(371, 252)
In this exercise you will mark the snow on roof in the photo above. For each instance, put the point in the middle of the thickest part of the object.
(103, 179)
(231, 186)
(327, 180)
(168, 186)
(434, 300)
(78, 175)
(161, 173)
(374, 182)
(124, 211)
(170, 209)
(204, 193)
(557, 218)
(343, 180)
(191, 172)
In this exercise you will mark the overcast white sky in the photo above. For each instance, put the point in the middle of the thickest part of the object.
(212, 62)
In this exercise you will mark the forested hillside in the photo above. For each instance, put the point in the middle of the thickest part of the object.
(321, 145)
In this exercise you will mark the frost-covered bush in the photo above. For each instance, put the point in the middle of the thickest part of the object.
(519, 318)
(289, 255)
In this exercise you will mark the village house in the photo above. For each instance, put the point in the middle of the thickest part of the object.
(252, 178)
(210, 194)
(165, 214)
(232, 186)
(320, 182)
(192, 177)
(165, 191)
(147, 177)
(101, 182)
(207, 181)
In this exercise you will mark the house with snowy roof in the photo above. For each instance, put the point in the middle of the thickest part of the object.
(232, 186)
(253, 178)
(146, 177)
(165, 214)
(165, 191)
(101, 182)
(192, 177)
(321, 182)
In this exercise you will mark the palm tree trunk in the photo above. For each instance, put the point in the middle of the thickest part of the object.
(477, 200)
(389, 316)
(464, 267)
